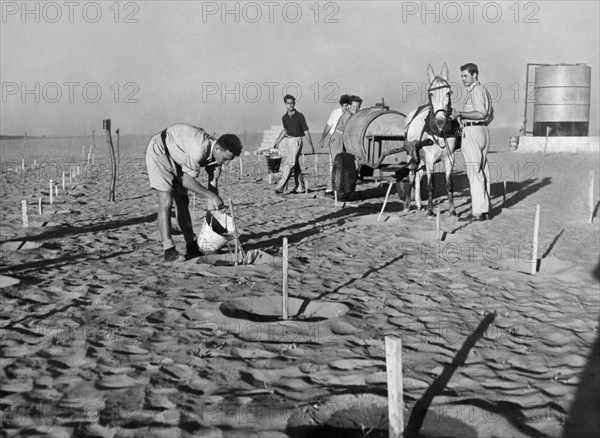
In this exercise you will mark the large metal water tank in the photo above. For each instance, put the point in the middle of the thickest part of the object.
(372, 131)
(562, 100)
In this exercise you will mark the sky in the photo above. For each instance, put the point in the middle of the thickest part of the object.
(225, 66)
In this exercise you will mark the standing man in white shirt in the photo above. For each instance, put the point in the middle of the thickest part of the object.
(477, 113)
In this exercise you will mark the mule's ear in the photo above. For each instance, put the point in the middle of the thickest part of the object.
(444, 72)
(430, 73)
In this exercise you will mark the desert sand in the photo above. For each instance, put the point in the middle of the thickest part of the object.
(101, 338)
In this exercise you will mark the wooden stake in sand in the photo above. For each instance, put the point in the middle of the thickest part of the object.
(284, 310)
(56, 190)
(78, 170)
(24, 211)
(118, 150)
(548, 129)
(51, 192)
(63, 180)
(23, 163)
(591, 195)
(534, 249)
(393, 364)
(335, 198)
(238, 245)
(437, 224)
(504, 196)
(387, 195)
(40, 209)
(70, 174)
(113, 159)
(92, 146)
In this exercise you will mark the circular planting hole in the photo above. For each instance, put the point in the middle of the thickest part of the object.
(269, 309)
(366, 415)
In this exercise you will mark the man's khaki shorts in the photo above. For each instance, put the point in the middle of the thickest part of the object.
(162, 170)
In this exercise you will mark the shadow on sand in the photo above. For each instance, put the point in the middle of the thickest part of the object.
(585, 410)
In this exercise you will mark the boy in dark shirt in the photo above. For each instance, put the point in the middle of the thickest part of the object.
(294, 129)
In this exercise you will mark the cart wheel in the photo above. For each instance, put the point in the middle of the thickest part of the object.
(402, 188)
(402, 183)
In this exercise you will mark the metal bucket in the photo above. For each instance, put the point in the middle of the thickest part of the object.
(216, 231)
(273, 164)
(513, 144)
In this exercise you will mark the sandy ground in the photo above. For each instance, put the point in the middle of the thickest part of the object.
(102, 338)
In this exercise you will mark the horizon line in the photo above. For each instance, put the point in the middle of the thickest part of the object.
(21, 136)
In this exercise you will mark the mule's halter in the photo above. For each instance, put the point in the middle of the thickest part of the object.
(441, 87)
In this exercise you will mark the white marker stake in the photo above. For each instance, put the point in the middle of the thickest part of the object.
(285, 279)
(393, 364)
(56, 191)
(70, 174)
(536, 229)
(591, 195)
(437, 224)
(24, 210)
(63, 180)
(237, 248)
(40, 209)
(77, 170)
(387, 195)
(238, 245)
(504, 196)
(335, 197)
(23, 164)
(51, 192)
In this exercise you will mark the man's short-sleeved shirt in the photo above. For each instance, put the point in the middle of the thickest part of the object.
(478, 99)
(190, 148)
(334, 119)
(341, 124)
(294, 125)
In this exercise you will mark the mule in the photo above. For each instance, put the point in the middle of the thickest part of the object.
(432, 122)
